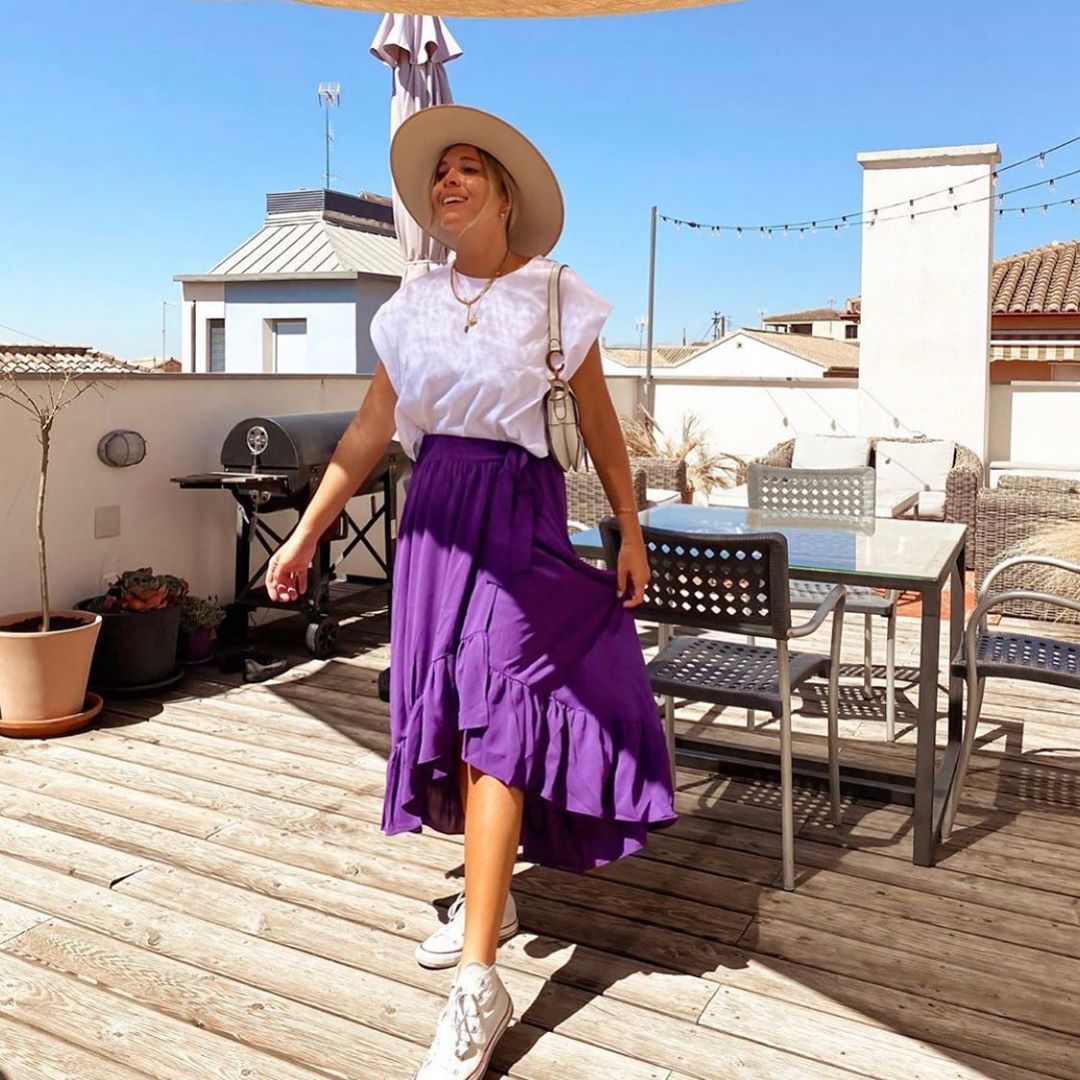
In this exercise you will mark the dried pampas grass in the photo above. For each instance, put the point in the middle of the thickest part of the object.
(706, 468)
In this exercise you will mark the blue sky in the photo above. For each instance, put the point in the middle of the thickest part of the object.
(140, 138)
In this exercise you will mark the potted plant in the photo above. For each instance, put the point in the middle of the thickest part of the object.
(45, 654)
(139, 632)
(705, 468)
(199, 619)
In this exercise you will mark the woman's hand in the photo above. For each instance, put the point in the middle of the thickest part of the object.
(632, 571)
(287, 571)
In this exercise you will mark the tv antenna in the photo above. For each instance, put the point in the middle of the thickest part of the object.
(329, 95)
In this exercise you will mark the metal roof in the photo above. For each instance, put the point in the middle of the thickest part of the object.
(307, 247)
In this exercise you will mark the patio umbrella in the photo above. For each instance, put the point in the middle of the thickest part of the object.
(521, 9)
(417, 48)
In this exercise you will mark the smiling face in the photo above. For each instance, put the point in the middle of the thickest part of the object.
(467, 193)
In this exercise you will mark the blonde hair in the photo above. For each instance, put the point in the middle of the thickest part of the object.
(493, 170)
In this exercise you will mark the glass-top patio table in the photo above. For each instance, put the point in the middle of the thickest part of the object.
(917, 556)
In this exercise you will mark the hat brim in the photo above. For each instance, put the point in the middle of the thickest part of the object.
(419, 143)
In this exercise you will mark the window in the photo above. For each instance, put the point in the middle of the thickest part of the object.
(215, 344)
(289, 345)
(851, 332)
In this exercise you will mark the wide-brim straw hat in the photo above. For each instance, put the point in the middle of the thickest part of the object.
(419, 143)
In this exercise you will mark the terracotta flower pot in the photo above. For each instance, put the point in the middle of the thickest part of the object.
(43, 676)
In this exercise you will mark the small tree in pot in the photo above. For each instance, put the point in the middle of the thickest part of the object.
(45, 654)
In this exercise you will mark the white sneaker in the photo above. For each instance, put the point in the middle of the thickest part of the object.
(443, 948)
(473, 1021)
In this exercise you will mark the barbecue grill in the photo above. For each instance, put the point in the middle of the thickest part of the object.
(274, 463)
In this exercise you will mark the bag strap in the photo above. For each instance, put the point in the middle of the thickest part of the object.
(555, 320)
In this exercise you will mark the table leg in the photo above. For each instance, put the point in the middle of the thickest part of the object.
(929, 660)
(946, 772)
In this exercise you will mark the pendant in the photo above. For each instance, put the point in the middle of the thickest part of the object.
(469, 322)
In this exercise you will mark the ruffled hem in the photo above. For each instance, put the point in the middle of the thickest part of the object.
(593, 789)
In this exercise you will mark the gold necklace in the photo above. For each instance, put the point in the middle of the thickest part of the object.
(470, 319)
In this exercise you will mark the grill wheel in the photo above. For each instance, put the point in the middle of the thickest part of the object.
(321, 638)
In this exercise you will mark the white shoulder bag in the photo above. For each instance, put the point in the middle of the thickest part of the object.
(562, 416)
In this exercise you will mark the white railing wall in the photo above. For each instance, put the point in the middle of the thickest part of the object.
(748, 417)
(1035, 423)
(184, 419)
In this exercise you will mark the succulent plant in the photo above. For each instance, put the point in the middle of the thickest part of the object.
(140, 590)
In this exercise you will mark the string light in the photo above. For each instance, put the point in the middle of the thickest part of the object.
(859, 217)
(847, 221)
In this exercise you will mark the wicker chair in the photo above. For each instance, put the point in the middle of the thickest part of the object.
(587, 502)
(662, 472)
(1018, 509)
(961, 487)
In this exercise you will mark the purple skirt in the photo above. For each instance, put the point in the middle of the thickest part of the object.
(513, 654)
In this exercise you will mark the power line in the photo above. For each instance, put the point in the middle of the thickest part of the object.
(23, 333)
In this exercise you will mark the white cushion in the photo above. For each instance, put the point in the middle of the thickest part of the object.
(830, 452)
(931, 505)
(914, 466)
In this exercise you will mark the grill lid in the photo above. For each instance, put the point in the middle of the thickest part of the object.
(290, 442)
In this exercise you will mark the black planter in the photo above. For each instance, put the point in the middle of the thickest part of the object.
(135, 648)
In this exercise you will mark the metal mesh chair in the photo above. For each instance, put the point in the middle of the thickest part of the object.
(1008, 654)
(837, 494)
(737, 584)
(961, 486)
(587, 502)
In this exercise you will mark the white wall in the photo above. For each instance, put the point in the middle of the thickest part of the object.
(184, 419)
(1035, 423)
(925, 330)
(202, 300)
(338, 314)
(740, 356)
(747, 417)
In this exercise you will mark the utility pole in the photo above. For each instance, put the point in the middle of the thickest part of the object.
(650, 386)
(719, 325)
(164, 304)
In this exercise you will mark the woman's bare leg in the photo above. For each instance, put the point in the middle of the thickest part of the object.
(492, 834)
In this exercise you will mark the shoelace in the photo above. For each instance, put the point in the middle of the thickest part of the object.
(455, 908)
(460, 1020)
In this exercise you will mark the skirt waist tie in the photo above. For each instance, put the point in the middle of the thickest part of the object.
(513, 510)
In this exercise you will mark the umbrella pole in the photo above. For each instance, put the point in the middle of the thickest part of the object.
(650, 386)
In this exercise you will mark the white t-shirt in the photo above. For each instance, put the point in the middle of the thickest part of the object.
(490, 382)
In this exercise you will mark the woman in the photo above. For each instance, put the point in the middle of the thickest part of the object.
(521, 712)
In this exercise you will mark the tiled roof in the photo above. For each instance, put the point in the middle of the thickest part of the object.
(663, 355)
(60, 360)
(823, 314)
(1043, 280)
(825, 352)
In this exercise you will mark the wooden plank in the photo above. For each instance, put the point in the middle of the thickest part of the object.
(299, 1034)
(15, 919)
(332, 936)
(870, 1050)
(922, 975)
(30, 1054)
(126, 1032)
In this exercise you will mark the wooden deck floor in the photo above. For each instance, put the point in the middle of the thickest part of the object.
(198, 888)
